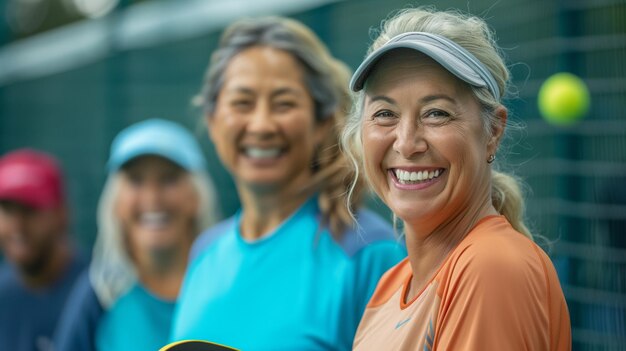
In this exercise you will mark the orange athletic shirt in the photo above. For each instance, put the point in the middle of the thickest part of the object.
(497, 290)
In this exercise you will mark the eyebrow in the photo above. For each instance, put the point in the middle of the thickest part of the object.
(275, 93)
(431, 98)
(286, 90)
(383, 98)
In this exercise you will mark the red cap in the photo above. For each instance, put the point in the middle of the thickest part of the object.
(31, 178)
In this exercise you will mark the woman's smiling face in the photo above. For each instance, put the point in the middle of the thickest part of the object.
(424, 141)
(263, 127)
(157, 205)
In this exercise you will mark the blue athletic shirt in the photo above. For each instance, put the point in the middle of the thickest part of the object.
(295, 289)
(137, 321)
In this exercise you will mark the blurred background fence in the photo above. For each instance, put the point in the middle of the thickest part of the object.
(75, 72)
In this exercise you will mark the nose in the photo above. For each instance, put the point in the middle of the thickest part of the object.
(409, 139)
(261, 120)
(151, 194)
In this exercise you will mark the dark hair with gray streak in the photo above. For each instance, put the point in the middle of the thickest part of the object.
(326, 79)
(280, 34)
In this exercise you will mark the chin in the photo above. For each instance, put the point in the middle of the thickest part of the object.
(33, 266)
(409, 214)
(160, 248)
(265, 184)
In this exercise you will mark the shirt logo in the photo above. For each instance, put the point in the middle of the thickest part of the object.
(429, 337)
(43, 343)
(402, 322)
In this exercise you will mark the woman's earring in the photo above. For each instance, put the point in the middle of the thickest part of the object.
(491, 158)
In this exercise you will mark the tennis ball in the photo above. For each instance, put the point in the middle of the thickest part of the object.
(563, 99)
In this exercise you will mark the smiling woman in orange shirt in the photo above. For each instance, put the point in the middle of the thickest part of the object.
(427, 125)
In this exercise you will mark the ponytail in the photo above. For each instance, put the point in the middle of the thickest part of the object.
(506, 196)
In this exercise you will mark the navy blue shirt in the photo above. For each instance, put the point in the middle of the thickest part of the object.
(28, 317)
(80, 319)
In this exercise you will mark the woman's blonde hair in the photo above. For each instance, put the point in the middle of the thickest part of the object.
(473, 34)
(112, 271)
(327, 81)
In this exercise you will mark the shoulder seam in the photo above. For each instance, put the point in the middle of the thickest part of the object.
(207, 237)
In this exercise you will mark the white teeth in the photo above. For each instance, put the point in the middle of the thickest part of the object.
(154, 219)
(255, 152)
(406, 177)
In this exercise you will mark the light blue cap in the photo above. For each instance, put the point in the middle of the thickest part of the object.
(157, 137)
(446, 52)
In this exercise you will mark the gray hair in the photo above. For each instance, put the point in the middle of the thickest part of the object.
(112, 271)
(473, 34)
(283, 34)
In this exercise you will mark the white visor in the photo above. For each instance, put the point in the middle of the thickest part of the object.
(447, 53)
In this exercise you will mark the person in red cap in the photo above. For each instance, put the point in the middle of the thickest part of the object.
(40, 264)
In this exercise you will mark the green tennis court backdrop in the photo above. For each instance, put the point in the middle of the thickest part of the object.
(69, 91)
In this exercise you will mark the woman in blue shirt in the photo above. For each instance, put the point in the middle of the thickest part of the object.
(291, 270)
(156, 200)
